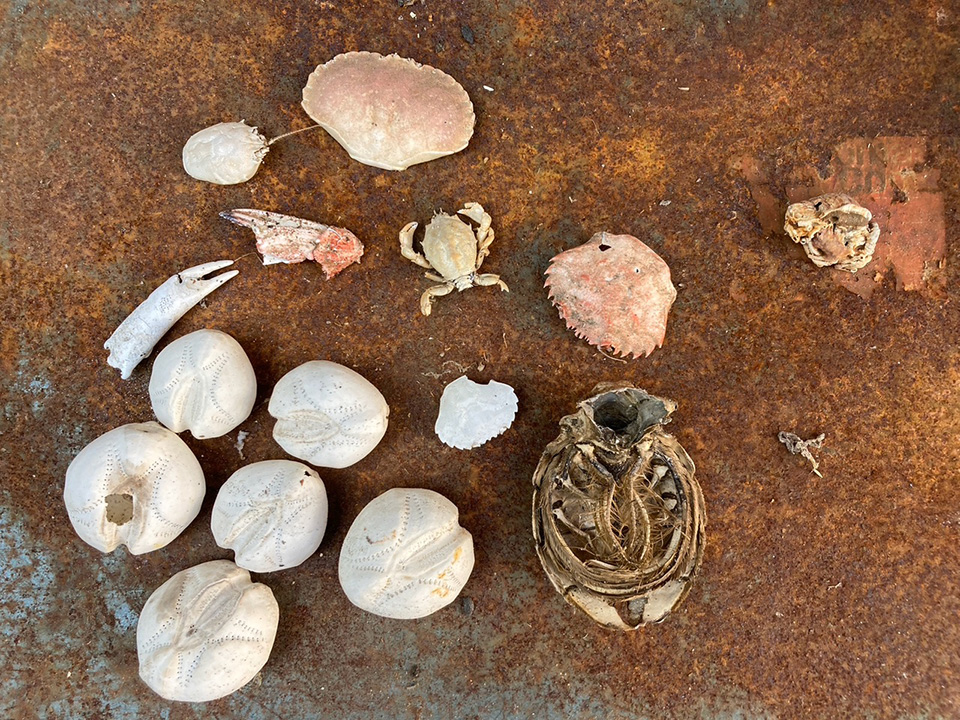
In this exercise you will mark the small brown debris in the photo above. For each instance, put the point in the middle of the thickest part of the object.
(796, 446)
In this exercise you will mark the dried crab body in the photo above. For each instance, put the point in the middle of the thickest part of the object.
(618, 516)
(833, 230)
(453, 249)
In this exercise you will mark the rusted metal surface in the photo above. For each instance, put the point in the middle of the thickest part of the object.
(832, 597)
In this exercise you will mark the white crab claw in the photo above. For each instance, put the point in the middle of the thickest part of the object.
(136, 336)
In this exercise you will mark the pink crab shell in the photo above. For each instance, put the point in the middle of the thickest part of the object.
(614, 292)
(389, 112)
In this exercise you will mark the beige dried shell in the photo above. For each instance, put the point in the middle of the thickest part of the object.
(614, 292)
(618, 516)
(389, 112)
(833, 230)
(206, 632)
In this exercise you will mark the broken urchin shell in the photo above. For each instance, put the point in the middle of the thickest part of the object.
(288, 239)
(137, 485)
(406, 556)
(471, 413)
(272, 514)
(618, 516)
(225, 153)
(389, 112)
(203, 382)
(614, 292)
(834, 231)
(327, 414)
(206, 632)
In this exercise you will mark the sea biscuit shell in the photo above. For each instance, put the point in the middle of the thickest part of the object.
(203, 382)
(406, 556)
(137, 485)
(206, 632)
(327, 414)
(272, 514)
(389, 112)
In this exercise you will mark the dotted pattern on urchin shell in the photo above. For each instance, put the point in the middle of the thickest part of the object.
(341, 418)
(393, 561)
(198, 619)
(273, 512)
(147, 482)
(193, 386)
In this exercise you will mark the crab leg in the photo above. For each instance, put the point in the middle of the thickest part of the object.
(485, 234)
(426, 300)
(406, 248)
(490, 279)
(136, 336)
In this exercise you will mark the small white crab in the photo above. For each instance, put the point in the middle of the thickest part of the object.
(453, 250)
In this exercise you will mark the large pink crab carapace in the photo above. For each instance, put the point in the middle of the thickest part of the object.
(614, 292)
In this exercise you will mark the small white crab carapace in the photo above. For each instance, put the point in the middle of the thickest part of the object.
(453, 249)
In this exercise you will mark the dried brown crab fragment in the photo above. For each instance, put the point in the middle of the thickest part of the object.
(389, 112)
(618, 516)
(833, 230)
(614, 292)
(288, 239)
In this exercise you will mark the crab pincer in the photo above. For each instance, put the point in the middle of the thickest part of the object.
(136, 336)
(289, 239)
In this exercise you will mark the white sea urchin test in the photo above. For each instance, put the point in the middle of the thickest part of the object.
(206, 632)
(272, 514)
(203, 382)
(406, 556)
(327, 414)
(137, 485)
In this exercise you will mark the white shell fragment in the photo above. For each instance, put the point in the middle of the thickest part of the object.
(134, 339)
(389, 112)
(327, 414)
(471, 413)
(204, 383)
(206, 632)
(137, 485)
(225, 154)
(406, 556)
(272, 514)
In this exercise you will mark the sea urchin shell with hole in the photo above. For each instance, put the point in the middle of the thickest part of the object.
(389, 112)
(614, 292)
(137, 485)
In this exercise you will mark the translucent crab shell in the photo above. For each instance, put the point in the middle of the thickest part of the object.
(389, 112)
